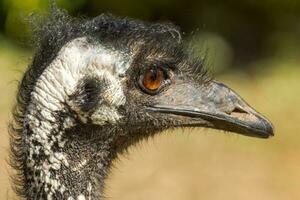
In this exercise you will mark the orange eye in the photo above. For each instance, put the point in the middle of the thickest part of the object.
(152, 80)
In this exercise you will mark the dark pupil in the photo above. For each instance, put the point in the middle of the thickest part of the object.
(153, 75)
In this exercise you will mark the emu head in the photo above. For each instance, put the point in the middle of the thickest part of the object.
(147, 81)
(97, 86)
(150, 84)
(134, 78)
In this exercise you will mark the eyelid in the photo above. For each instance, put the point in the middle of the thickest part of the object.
(164, 66)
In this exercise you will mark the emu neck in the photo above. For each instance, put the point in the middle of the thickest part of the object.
(66, 161)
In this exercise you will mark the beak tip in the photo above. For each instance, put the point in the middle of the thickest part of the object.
(268, 129)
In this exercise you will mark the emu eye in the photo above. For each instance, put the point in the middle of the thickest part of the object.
(153, 80)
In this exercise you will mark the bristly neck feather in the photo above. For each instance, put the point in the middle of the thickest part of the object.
(65, 157)
(65, 163)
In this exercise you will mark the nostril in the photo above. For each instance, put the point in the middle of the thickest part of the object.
(239, 113)
(238, 110)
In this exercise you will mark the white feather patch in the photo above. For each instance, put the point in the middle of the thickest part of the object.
(75, 60)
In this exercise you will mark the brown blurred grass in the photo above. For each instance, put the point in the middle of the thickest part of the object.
(198, 163)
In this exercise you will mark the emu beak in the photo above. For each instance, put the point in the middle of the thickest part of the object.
(215, 106)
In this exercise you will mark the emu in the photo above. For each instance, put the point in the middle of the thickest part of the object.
(96, 87)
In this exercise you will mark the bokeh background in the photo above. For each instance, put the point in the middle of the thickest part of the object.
(253, 46)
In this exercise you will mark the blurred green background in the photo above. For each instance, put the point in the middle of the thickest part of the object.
(253, 46)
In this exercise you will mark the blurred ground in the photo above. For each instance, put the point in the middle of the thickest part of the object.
(198, 164)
